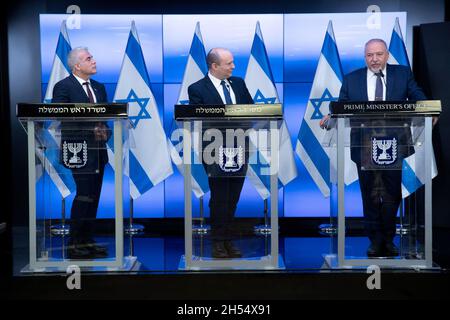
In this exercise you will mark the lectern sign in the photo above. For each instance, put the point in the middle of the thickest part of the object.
(71, 110)
(362, 108)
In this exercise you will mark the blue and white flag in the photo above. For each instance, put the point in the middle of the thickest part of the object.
(149, 160)
(260, 83)
(397, 48)
(60, 175)
(325, 88)
(196, 69)
(413, 167)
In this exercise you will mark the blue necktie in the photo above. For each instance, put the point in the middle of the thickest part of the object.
(226, 93)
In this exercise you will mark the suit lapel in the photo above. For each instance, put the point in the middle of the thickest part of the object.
(79, 88)
(96, 90)
(363, 81)
(235, 90)
(389, 82)
(212, 90)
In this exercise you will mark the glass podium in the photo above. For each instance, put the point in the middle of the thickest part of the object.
(391, 145)
(68, 147)
(229, 143)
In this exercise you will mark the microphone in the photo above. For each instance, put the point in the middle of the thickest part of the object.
(380, 72)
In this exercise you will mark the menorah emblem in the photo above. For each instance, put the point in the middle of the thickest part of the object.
(75, 148)
(230, 154)
(384, 150)
(384, 145)
(74, 161)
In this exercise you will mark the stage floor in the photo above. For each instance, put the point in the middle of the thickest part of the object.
(163, 254)
(156, 274)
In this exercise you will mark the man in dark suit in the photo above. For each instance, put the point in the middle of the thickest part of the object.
(219, 87)
(92, 136)
(380, 187)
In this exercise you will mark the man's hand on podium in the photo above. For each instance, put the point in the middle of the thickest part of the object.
(435, 120)
(101, 132)
(324, 122)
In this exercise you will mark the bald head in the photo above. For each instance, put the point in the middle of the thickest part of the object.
(220, 63)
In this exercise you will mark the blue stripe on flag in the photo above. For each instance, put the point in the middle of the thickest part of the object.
(53, 156)
(134, 52)
(259, 53)
(198, 53)
(409, 178)
(315, 151)
(265, 179)
(330, 52)
(398, 50)
(138, 175)
(62, 51)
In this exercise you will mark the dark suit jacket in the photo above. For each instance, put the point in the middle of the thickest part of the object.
(400, 86)
(69, 90)
(204, 92)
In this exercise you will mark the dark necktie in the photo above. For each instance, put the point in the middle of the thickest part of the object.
(379, 88)
(226, 93)
(91, 97)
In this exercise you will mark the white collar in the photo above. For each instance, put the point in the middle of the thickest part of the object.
(370, 73)
(81, 81)
(216, 82)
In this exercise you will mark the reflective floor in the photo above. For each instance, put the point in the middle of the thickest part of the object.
(163, 254)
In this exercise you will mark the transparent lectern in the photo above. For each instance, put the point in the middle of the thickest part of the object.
(229, 143)
(68, 146)
(388, 146)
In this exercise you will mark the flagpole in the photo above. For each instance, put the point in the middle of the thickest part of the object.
(264, 228)
(202, 228)
(133, 228)
(61, 229)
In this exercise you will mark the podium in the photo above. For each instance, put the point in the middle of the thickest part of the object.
(390, 144)
(230, 142)
(63, 149)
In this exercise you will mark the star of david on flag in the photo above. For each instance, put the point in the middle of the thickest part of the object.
(317, 104)
(261, 85)
(196, 69)
(49, 156)
(132, 99)
(260, 98)
(149, 160)
(325, 88)
(413, 169)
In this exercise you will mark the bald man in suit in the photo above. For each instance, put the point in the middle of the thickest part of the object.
(219, 87)
(380, 188)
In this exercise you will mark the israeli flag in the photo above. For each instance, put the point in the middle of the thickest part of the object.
(260, 83)
(413, 175)
(325, 88)
(397, 49)
(196, 69)
(50, 157)
(149, 160)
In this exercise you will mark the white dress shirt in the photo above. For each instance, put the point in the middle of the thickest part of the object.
(372, 82)
(216, 82)
(81, 81)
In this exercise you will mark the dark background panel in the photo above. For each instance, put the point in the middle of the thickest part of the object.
(432, 70)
